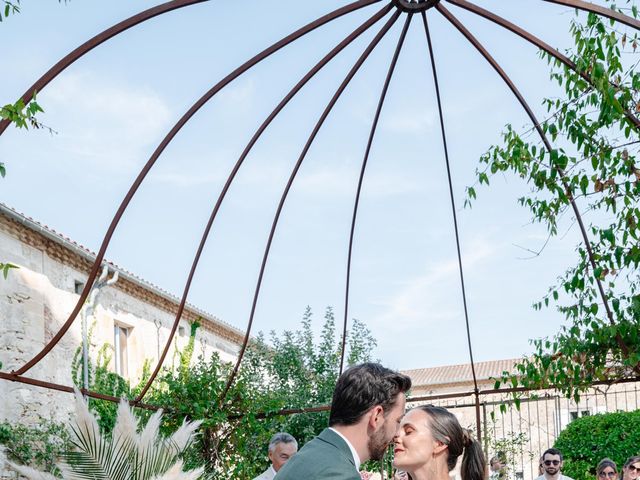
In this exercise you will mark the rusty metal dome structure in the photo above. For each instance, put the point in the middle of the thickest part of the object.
(389, 12)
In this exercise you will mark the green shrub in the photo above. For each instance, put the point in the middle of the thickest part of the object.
(39, 446)
(587, 440)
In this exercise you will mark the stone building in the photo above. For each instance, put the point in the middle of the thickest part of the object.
(130, 319)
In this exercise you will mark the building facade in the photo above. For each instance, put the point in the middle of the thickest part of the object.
(128, 319)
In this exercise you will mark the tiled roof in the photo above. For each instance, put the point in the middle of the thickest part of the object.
(423, 377)
(89, 255)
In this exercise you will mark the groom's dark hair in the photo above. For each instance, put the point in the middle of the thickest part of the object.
(361, 388)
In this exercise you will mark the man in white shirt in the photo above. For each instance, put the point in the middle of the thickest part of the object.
(552, 465)
(282, 447)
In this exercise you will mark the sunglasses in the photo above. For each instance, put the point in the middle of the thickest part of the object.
(633, 468)
(552, 462)
(607, 474)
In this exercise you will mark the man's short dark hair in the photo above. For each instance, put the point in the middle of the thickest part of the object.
(361, 388)
(552, 451)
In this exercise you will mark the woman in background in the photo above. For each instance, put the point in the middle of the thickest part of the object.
(631, 468)
(607, 470)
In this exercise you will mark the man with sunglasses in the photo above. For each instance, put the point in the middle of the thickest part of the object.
(552, 465)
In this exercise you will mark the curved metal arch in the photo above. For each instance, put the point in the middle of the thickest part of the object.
(177, 4)
(455, 222)
(92, 43)
(156, 154)
(292, 177)
(203, 240)
(363, 168)
(449, 16)
(599, 10)
(64, 388)
(529, 37)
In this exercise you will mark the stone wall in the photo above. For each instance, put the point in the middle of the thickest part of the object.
(37, 298)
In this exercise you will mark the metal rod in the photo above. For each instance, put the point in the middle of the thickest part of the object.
(429, 398)
(167, 139)
(455, 224)
(599, 10)
(363, 168)
(530, 439)
(92, 43)
(546, 409)
(323, 117)
(485, 428)
(453, 212)
(64, 388)
(529, 37)
(449, 16)
(205, 235)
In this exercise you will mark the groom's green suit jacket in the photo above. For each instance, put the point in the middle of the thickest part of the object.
(325, 457)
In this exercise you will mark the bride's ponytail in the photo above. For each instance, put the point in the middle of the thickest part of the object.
(473, 463)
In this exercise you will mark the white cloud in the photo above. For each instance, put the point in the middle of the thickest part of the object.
(267, 174)
(239, 96)
(181, 179)
(409, 120)
(433, 296)
(113, 124)
(340, 180)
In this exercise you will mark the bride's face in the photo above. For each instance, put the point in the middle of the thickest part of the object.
(414, 444)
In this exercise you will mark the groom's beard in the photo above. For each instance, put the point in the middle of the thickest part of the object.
(377, 444)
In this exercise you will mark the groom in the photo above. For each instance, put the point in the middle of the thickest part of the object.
(367, 406)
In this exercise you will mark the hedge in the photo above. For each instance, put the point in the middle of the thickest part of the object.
(587, 440)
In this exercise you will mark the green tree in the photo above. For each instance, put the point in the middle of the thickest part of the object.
(594, 140)
(103, 380)
(290, 371)
(304, 375)
(41, 445)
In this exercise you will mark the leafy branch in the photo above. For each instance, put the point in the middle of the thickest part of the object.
(592, 162)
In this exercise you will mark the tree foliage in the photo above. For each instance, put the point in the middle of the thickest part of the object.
(8, 8)
(105, 381)
(587, 440)
(12, 7)
(593, 163)
(40, 445)
(292, 370)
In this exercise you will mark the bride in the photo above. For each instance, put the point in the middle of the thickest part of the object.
(429, 442)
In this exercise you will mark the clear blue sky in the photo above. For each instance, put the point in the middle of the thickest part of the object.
(113, 107)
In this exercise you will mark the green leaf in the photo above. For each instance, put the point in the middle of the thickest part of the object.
(584, 184)
(5, 267)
